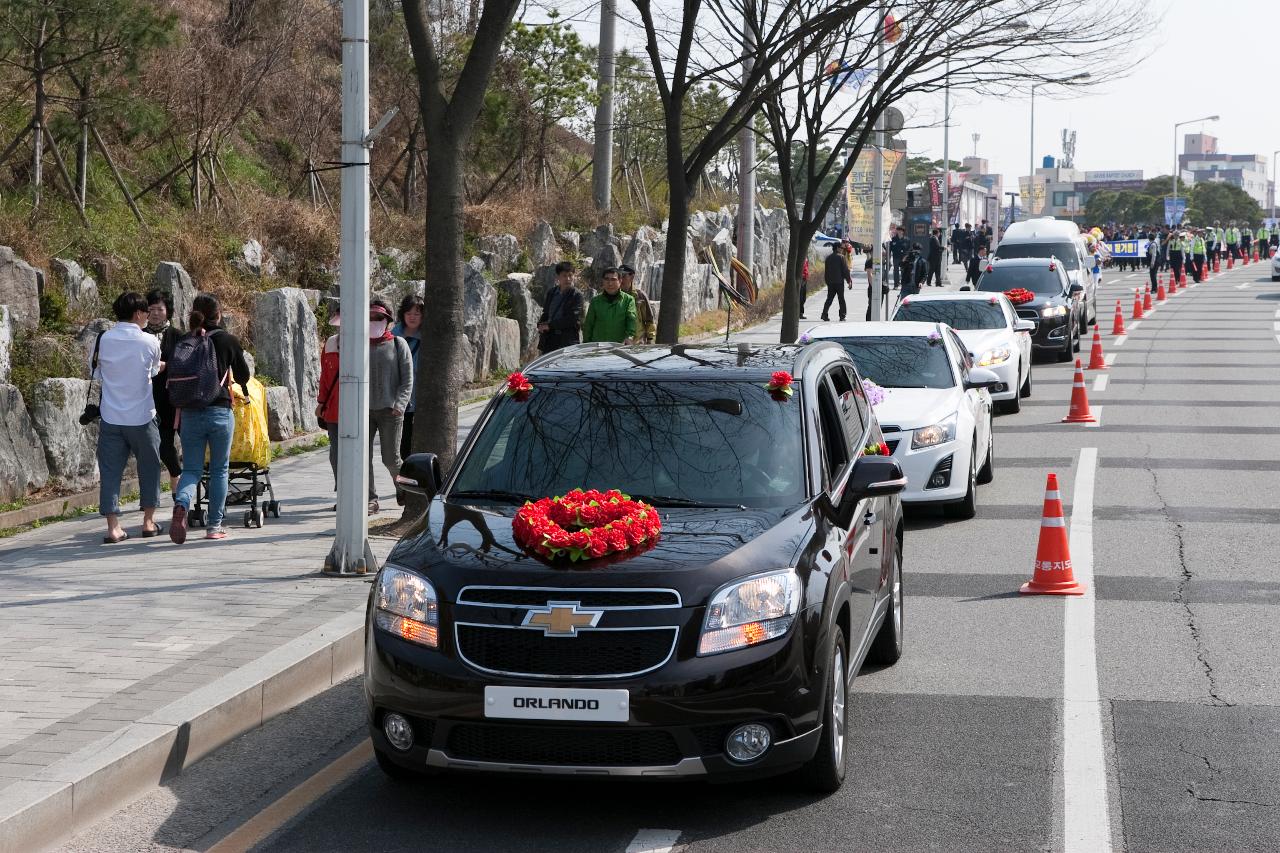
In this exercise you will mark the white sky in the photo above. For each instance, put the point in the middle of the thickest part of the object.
(1206, 57)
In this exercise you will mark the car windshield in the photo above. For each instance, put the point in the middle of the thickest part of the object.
(1037, 279)
(894, 361)
(1065, 252)
(677, 443)
(960, 314)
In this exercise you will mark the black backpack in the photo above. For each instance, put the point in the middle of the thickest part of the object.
(193, 381)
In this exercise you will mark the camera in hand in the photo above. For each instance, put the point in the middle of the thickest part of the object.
(90, 414)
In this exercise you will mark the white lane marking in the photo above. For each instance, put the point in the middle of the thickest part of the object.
(1134, 327)
(1119, 342)
(1100, 383)
(1109, 359)
(1096, 411)
(1276, 325)
(1244, 286)
(1084, 767)
(654, 841)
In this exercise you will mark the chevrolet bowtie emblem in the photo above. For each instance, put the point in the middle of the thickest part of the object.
(561, 619)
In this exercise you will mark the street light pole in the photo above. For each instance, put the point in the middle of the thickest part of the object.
(1174, 211)
(1274, 154)
(602, 158)
(946, 170)
(747, 158)
(877, 190)
(1031, 162)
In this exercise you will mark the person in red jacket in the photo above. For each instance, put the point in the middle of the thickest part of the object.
(327, 398)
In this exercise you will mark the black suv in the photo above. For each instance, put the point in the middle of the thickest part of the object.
(725, 650)
(1058, 309)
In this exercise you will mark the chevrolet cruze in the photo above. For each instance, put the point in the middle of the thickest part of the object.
(723, 649)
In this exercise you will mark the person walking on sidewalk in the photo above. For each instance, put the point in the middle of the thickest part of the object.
(977, 265)
(915, 270)
(561, 319)
(898, 247)
(391, 378)
(125, 360)
(836, 274)
(159, 310)
(935, 257)
(409, 328)
(1197, 256)
(646, 326)
(612, 313)
(205, 362)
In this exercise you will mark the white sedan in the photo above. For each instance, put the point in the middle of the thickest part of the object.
(936, 411)
(990, 327)
(1275, 267)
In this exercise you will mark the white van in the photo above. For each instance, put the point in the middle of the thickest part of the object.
(1048, 237)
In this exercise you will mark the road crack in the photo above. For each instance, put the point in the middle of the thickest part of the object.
(1191, 789)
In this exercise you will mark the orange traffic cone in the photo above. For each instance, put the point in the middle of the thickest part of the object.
(1161, 296)
(1173, 286)
(1117, 327)
(1079, 412)
(1182, 279)
(1137, 305)
(1146, 299)
(1246, 259)
(1053, 573)
(1231, 262)
(1217, 265)
(1097, 361)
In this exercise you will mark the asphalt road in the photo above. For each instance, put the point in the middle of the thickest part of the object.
(983, 736)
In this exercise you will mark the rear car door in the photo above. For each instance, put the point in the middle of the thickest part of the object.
(977, 400)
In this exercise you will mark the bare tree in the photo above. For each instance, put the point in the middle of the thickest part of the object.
(449, 104)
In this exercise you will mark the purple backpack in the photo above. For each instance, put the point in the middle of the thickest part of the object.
(193, 381)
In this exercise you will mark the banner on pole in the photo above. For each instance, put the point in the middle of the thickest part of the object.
(1174, 210)
(1033, 193)
(860, 193)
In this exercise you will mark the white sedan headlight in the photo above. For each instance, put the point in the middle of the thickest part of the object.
(1053, 311)
(406, 605)
(750, 611)
(934, 434)
(999, 355)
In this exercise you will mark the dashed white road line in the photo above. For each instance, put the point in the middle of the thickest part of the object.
(1109, 358)
(1119, 342)
(1086, 824)
(654, 841)
(1100, 383)
(1096, 411)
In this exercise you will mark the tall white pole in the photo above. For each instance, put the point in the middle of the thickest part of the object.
(946, 171)
(602, 166)
(351, 552)
(1173, 215)
(747, 160)
(1031, 163)
(877, 191)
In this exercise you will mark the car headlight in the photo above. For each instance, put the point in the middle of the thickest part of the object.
(1053, 311)
(934, 434)
(750, 611)
(999, 355)
(406, 605)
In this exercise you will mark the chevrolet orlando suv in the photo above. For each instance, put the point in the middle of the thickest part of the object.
(725, 650)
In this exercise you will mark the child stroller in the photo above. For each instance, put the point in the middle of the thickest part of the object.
(249, 474)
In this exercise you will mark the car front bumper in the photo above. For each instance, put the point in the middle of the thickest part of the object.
(1010, 378)
(921, 465)
(679, 715)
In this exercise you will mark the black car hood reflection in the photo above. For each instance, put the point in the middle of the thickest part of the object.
(699, 549)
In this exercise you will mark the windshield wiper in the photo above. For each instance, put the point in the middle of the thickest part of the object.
(492, 494)
(669, 500)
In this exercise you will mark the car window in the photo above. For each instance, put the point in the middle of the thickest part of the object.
(963, 356)
(842, 381)
(711, 442)
(1037, 279)
(900, 361)
(964, 314)
(1068, 252)
(835, 444)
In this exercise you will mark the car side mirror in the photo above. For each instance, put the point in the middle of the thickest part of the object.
(965, 287)
(420, 474)
(1024, 326)
(872, 476)
(980, 377)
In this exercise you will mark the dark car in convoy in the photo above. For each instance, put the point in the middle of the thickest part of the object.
(725, 650)
(1058, 308)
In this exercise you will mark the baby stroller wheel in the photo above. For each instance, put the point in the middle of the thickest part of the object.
(195, 518)
(257, 516)
(273, 507)
(248, 518)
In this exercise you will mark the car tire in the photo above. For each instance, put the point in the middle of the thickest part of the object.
(967, 506)
(987, 472)
(1025, 390)
(1065, 353)
(886, 649)
(1275, 278)
(395, 772)
(1075, 347)
(824, 773)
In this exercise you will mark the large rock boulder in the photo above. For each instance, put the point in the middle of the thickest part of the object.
(171, 277)
(606, 256)
(6, 343)
(19, 289)
(594, 241)
(542, 244)
(80, 289)
(69, 448)
(639, 254)
(524, 309)
(280, 409)
(22, 464)
(479, 310)
(253, 260)
(722, 250)
(88, 336)
(288, 349)
(572, 240)
(506, 355)
(544, 278)
(499, 253)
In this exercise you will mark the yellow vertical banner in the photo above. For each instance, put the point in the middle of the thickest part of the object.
(860, 193)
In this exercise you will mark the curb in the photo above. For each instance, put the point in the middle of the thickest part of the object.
(74, 793)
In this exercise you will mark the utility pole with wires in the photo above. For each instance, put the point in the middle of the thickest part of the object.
(602, 164)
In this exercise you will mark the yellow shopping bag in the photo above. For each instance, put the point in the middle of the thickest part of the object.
(250, 442)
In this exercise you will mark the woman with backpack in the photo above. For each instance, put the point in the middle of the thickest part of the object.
(205, 362)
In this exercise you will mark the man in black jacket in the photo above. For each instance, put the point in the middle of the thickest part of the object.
(935, 256)
(898, 247)
(836, 275)
(561, 320)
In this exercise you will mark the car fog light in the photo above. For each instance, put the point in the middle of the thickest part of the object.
(398, 731)
(748, 742)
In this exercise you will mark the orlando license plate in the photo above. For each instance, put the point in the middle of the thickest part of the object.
(557, 703)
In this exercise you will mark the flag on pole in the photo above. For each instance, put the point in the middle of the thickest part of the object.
(846, 76)
(892, 29)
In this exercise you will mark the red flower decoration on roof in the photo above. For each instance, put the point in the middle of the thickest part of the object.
(779, 385)
(586, 525)
(1019, 295)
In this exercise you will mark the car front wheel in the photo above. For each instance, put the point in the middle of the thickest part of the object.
(824, 773)
(967, 506)
(887, 647)
(1065, 353)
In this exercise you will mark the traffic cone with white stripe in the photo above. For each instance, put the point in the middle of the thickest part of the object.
(1053, 573)
(1231, 261)
(1173, 285)
(1117, 326)
(1137, 304)
(1079, 412)
(1161, 296)
(1217, 265)
(1097, 360)
(1147, 304)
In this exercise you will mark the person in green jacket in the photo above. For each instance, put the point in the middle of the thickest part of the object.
(612, 313)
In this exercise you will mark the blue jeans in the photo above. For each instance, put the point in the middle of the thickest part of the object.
(115, 443)
(212, 428)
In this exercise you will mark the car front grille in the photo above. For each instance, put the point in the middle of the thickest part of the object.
(589, 654)
(1028, 314)
(551, 745)
(593, 598)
